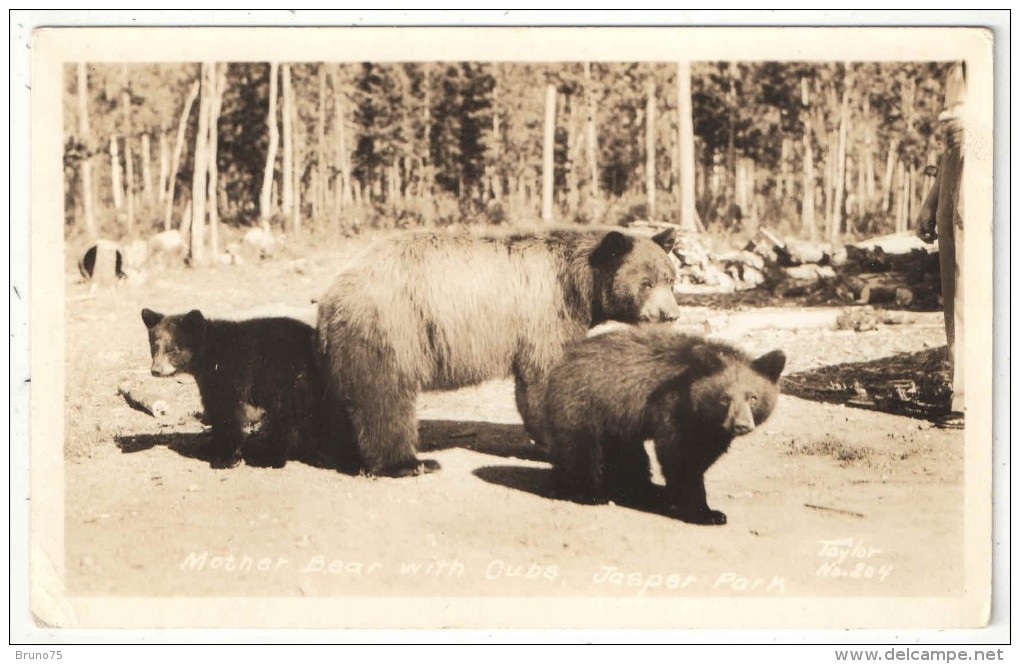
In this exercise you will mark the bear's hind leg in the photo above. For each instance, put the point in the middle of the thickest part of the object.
(628, 473)
(578, 469)
(529, 392)
(380, 400)
(342, 447)
(388, 429)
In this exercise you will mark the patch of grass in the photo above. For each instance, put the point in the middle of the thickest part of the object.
(834, 448)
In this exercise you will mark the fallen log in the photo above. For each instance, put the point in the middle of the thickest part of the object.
(903, 242)
(142, 400)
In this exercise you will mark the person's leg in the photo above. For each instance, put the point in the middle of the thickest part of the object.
(959, 347)
(950, 266)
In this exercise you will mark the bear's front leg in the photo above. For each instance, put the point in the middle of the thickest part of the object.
(685, 483)
(688, 497)
(227, 437)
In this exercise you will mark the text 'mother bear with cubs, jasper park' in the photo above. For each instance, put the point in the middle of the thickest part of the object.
(434, 311)
(690, 395)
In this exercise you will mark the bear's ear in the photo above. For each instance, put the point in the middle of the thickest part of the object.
(665, 239)
(194, 320)
(705, 359)
(770, 365)
(612, 246)
(151, 318)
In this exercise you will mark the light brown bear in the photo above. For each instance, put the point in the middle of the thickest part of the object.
(426, 311)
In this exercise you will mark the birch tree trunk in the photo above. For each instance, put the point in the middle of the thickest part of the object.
(731, 110)
(844, 129)
(266, 198)
(650, 148)
(900, 217)
(808, 223)
(146, 157)
(164, 166)
(547, 153)
(288, 141)
(296, 161)
(740, 187)
(182, 126)
(750, 206)
(862, 189)
(85, 135)
(343, 191)
(199, 176)
(910, 207)
(830, 182)
(319, 201)
(341, 185)
(129, 165)
(218, 78)
(116, 186)
(887, 180)
(685, 129)
(129, 185)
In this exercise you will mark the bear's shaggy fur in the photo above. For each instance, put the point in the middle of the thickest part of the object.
(269, 363)
(433, 311)
(690, 395)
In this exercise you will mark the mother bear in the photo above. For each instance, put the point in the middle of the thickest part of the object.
(426, 311)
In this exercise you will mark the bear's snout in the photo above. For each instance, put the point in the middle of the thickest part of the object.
(163, 370)
(743, 422)
(661, 306)
(742, 429)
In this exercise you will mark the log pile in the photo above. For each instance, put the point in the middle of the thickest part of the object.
(891, 270)
(896, 270)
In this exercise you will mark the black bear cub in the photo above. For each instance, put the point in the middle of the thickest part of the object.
(269, 363)
(691, 396)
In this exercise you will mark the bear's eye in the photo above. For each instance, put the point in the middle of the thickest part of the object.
(752, 399)
(646, 284)
(725, 400)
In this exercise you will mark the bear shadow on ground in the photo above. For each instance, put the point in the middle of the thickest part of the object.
(196, 446)
(539, 481)
(497, 439)
(912, 384)
(504, 440)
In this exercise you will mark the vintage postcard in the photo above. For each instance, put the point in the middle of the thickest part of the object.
(312, 313)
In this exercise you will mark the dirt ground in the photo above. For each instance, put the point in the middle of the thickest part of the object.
(823, 500)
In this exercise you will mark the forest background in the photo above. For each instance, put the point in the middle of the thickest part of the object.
(827, 152)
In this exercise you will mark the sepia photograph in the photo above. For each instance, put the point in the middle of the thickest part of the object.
(511, 328)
